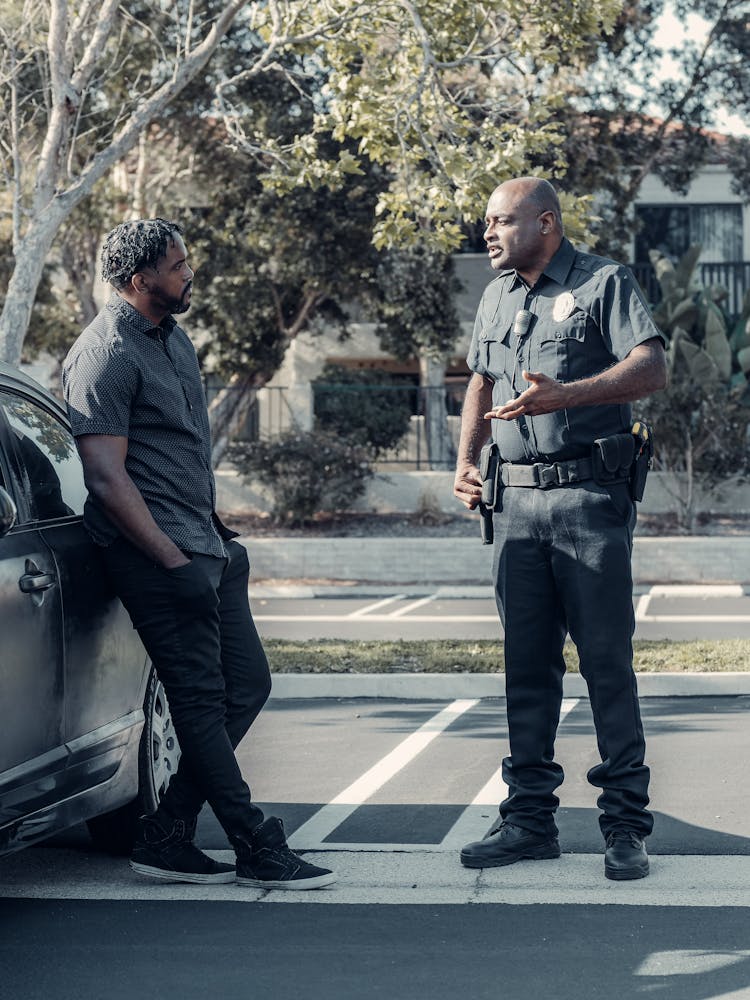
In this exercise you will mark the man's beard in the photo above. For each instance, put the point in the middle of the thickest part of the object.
(181, 305)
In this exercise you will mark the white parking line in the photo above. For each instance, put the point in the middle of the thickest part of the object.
(413, 606)
(374, 618)
(697, 590)
(310, 835)
(476, 818)
(642, 606)
(693, 619)
(372, 607)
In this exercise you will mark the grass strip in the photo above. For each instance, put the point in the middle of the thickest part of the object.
(335, 656)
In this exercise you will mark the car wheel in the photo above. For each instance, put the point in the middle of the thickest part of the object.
(158, 756)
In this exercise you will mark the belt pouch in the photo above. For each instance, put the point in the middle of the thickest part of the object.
(612, 458)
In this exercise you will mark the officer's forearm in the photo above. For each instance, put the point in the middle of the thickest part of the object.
(474, 429)
(642, 372)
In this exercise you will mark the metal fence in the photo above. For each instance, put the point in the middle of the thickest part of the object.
(734, 276)
(276, 409)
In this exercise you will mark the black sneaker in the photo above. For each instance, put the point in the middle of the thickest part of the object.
(269, 863)
(170, 854)
(625, 857)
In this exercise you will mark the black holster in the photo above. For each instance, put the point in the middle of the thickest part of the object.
(489, 471)
(624, 458)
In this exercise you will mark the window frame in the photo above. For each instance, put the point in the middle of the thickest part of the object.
(12, 462)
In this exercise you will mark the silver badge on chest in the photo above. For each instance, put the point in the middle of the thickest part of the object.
(563, 306)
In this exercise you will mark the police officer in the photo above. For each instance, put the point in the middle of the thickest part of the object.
(563, 341)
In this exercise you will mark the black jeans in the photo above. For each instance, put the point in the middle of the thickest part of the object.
(196, 625)
(563, 564)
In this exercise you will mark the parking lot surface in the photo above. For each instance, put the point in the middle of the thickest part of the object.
(386, 792)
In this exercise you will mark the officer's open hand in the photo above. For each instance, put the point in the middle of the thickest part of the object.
(467, 486)
(544, 395)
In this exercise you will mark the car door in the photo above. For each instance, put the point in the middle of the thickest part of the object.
(104, 662)
(32, 751)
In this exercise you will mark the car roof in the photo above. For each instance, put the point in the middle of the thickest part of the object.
(14, 378)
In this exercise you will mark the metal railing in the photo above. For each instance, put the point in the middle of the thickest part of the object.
(276, 409)
(733, 275)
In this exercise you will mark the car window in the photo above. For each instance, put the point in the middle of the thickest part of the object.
(51, 472)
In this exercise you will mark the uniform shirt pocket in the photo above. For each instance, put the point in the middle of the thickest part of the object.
(496, 350)
(562, 348)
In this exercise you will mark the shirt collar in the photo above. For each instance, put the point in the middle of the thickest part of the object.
(137, 321)
(557, 269)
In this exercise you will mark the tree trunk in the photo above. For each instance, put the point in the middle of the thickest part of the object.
(30, 255)
(227, 412)
(441, 452)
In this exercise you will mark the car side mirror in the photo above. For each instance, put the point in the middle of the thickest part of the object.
(7, 513)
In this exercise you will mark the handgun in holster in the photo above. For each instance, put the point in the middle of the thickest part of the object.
(489, 470)
(644, 452)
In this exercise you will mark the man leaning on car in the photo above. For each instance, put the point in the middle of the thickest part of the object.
(135, 398)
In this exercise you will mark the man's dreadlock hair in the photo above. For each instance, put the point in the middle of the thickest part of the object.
(132, 246)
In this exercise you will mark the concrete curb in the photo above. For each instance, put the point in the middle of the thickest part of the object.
(440, 687)
(434, 561)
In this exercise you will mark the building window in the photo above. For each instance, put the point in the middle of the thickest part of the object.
(672, 229)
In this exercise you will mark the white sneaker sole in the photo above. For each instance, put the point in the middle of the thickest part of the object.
(316, 882)
(218, 878)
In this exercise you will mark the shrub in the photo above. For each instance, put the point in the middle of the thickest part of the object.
(305, 473)
(362, 405)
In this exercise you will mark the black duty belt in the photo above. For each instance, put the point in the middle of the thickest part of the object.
(543, 477)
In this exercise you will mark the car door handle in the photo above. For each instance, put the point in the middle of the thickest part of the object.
(33, 583)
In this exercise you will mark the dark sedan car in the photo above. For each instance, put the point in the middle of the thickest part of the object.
(85, 730)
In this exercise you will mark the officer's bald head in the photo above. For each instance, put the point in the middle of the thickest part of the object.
(534, 193)
(524, 226)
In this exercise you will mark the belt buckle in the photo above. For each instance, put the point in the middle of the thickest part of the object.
(546, 476)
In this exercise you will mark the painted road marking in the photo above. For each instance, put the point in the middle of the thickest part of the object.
(473, 822)
(642, 606)
(430, 877)
(413, 606)
(310, 835)
(372, 607)
(644, 598)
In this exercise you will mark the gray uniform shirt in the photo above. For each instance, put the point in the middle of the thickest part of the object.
(126, 377)
(587, 313)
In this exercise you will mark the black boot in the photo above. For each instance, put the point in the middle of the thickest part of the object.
(626, 856)
(506, 844)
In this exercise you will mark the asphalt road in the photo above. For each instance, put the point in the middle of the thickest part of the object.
(661, 612)
(386, 792)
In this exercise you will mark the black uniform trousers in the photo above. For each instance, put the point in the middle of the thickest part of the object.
(196, 626)
(562, 563)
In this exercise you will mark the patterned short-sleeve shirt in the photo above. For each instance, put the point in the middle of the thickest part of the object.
(128, 378)
(584, 314)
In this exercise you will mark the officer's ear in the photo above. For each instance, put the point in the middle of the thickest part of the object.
(546, 223)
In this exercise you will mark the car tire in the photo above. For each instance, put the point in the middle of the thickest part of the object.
(158, 756)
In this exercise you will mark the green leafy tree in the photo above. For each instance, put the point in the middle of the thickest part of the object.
(436, 92)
